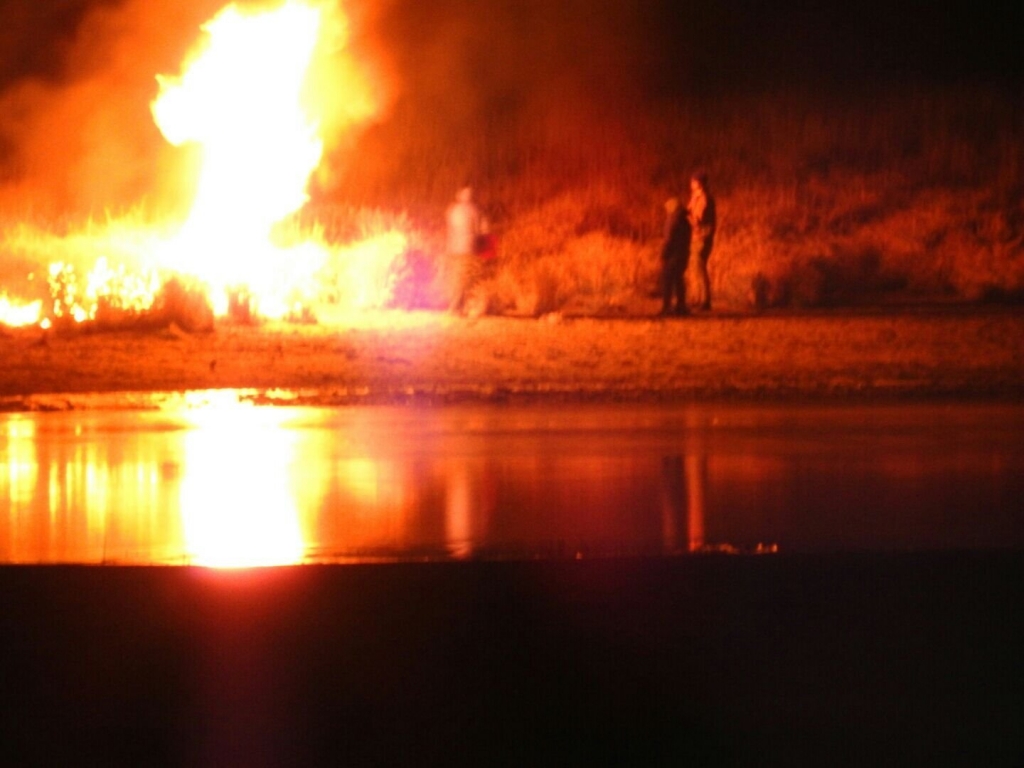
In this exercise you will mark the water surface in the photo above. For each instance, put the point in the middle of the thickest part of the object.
(224, 482)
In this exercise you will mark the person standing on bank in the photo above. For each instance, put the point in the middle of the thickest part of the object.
(675, 253)
(701, 213)
(464, 225)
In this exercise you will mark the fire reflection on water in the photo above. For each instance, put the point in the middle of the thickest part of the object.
(73, 494)
(470, 500)
(239, 505)
(214, 481)
(682, 502)
(221, 483)
(21, 471)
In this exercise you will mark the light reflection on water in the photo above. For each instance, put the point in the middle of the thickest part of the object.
(230, 484)
(240, 494)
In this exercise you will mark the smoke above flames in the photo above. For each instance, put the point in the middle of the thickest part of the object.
(77, 136)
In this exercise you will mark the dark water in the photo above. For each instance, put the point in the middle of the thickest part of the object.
(548, 644)
(221, 482)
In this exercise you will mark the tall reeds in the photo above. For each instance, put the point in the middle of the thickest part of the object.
(909, 192)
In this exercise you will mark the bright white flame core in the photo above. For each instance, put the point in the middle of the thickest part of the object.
(240, 100)
(15, 313)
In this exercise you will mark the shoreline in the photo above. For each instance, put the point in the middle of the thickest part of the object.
(424, 358)
(136, 400)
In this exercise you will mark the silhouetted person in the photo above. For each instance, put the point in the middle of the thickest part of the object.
(464, 226)
(675, 253)
(701, 213)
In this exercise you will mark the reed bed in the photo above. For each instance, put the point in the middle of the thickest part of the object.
(906, 193)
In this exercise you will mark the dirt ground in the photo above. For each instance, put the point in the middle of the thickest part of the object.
(437, 358)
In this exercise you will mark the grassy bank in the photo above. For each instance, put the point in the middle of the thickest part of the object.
(913, 192)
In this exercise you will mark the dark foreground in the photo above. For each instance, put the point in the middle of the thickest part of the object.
(910, 659)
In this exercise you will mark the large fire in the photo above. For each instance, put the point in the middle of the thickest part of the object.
(252, 101)
(240, 100)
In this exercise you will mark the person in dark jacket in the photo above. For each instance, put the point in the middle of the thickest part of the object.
(675, 254)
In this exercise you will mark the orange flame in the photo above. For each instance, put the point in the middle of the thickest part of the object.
(254, 97)
(240, 100)
(17, 313)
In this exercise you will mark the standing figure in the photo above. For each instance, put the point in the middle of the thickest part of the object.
(464, 225)
(675, 253)
(701, 213)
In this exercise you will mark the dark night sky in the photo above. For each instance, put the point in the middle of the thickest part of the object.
(764, 43)
(750, 43)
